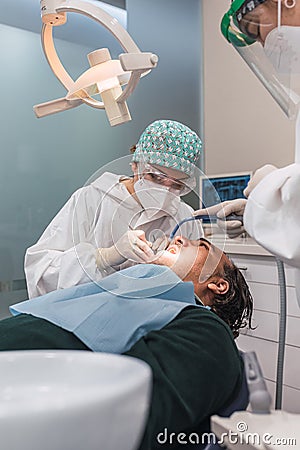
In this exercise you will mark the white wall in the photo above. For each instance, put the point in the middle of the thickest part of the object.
(173, 31)
(243, 126)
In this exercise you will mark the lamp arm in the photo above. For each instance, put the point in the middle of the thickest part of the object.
(132, 84)
(59, 70)
(55, 106)
(53, 59)
(139, 63)
(54, 14)
(95, 12)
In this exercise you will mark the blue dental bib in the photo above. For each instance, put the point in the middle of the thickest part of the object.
(113, 314)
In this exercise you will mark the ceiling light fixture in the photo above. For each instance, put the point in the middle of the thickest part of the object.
(105, 76)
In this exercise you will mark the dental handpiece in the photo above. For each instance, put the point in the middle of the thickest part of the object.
(162, 243)
(205, 217)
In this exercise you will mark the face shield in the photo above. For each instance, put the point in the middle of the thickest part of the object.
(266, 33)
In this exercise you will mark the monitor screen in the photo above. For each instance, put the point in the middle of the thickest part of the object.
(219, 188)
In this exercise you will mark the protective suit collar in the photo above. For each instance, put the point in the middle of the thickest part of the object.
(110, 183)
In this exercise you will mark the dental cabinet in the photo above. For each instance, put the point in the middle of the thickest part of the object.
(260, 270)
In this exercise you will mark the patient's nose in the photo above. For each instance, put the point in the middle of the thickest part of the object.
(180, 240)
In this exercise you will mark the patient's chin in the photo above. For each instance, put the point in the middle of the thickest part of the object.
(174, 262)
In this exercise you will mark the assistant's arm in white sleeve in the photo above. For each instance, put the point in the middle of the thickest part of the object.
(272, 214)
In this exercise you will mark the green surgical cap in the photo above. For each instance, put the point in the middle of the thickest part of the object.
(169, 144)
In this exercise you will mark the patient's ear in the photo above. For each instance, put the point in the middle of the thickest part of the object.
(219, 286)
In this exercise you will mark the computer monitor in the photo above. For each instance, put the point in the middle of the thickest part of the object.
(219, 188)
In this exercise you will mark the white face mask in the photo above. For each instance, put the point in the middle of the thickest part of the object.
(156, 199)
(282, 47)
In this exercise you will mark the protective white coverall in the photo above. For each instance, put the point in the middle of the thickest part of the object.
(272, 213)
(95, 216)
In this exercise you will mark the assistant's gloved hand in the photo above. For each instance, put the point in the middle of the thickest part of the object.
(258, 175)
(232, 227)
(132, 246)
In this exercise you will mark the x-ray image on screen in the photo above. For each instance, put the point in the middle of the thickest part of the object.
(219, 188)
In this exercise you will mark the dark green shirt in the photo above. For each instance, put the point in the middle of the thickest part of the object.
(196, 369)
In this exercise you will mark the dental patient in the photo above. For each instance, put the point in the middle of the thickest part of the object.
(180, 314)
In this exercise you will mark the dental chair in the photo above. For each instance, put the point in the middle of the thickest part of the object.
(240, 403)
(253, 391)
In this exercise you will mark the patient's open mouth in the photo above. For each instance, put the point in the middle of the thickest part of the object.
(172, 249)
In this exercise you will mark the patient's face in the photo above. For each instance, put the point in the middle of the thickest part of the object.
(193, 260)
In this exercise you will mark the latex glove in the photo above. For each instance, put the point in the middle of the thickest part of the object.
(258, 175)
(232, 227)
(160, 244)
(132, 246)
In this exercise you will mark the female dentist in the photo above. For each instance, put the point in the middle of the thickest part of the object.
(266, 33)
(107, 225)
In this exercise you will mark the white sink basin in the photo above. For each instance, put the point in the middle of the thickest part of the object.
(72, 400)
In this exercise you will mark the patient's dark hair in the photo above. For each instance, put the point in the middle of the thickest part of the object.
(236, 306)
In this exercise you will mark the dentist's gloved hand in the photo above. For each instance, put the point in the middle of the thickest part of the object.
(232, 227)
(132, 246)
(258, 175)
(160, 244)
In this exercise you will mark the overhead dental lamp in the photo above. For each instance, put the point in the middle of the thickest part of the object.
(105, 76)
